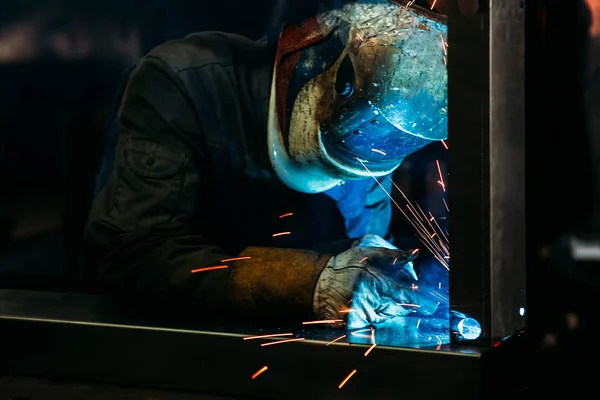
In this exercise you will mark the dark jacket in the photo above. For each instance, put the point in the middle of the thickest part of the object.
(192, 185)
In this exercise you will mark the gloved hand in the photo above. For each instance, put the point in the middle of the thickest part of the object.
(378, 278)
(373, 241)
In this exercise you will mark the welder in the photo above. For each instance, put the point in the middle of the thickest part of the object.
(252, 178)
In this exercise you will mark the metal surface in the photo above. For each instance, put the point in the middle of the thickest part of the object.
(507, 167)
(486, 166)
(25, 388)
(87, 338)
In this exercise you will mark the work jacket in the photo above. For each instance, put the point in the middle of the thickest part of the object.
(189, 185)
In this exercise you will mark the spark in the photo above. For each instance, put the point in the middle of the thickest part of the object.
(267, 336)
(281, 234)
(281, 341)
(323, 321)
(444, 144)
(286, 215)
(441, 181)
(439, 346)
(410, 3)
(348, 311)
(369, 349)
(363, 259)
(372, 335)
(346, 379)
(421, 229)
(260, 371)
(209, 268)
(446, 204)
(443, 44)
(336, 339)
(438, 226)
(439, 340)
(414, 287)
(439, 285)
(422, 226)
(395, 259)
(409, 305)
(415, 251)
(445, 61)
(425, 230)
(235, 259)
(420, 222)
(438, 296)
(418, 323)
(433, 5)
(378, 151)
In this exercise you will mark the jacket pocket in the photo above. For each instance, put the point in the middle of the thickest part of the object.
(151, 160)
(149, 183)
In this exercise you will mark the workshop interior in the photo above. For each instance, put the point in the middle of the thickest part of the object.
(498, 156)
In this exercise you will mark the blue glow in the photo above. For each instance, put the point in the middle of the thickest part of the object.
(469, 328)
(402, 325)
(466, 328)
(405, 331)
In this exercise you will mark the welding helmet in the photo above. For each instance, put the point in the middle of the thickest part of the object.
(356, 88)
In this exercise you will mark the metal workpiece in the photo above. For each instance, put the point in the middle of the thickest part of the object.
(486, 167)
(74, 337)
(507, 168)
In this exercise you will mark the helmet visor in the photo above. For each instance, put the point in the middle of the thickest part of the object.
(391, 82)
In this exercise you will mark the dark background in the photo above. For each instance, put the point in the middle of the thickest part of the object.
(60, 64)
(562, 196)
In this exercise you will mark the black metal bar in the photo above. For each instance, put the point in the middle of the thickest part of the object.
(27, 388)
(86, 338)
(487, 167)
(468, 180)
(507, 168)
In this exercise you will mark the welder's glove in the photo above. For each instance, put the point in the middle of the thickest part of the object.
(367, 285)
(373, 241)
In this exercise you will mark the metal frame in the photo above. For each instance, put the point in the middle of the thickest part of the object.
(73, 337)
(487, 166)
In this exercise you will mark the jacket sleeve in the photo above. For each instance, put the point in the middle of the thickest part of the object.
(379, 207)
(145, 233)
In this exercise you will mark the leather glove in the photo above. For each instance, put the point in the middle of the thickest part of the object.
(370, 283)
